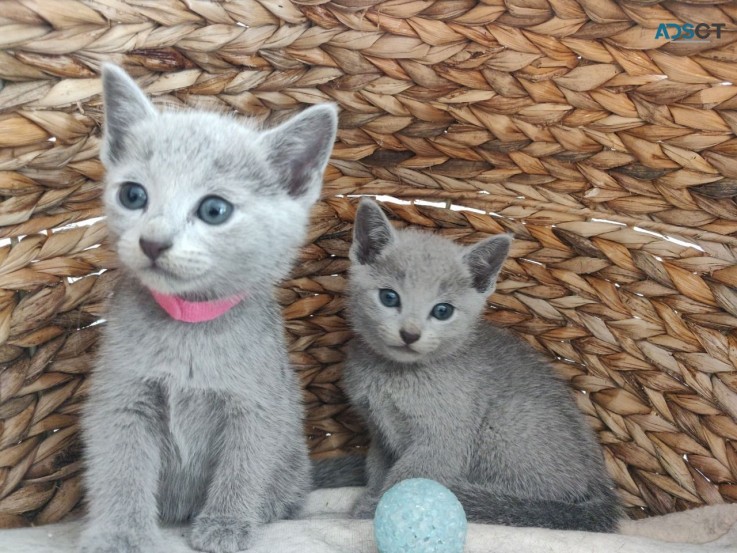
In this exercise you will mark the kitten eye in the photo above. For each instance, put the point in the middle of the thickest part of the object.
(132, 195)
(442, 311)
(214, 210)
(389, 297)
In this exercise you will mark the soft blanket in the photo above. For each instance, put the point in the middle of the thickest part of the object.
(324, 527)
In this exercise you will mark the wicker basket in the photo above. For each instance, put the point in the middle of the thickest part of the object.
(610, 154)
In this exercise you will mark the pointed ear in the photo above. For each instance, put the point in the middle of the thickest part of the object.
(125, 104)
(372, 232)
(485, 260)
(300, 149)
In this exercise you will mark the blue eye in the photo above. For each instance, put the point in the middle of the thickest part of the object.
(214, 210)
(389, 297)
(132, 195)
(442, 311)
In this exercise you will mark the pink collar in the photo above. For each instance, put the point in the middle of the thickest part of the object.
(195, 311)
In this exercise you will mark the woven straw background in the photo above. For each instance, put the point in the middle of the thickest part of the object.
(565, 119)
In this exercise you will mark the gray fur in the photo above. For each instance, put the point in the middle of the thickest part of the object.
(337, 472)
(468, 405)
(199, 422)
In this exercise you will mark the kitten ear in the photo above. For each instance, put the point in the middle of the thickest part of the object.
(485, 260)
(300, 149)
(125, 104)
(372, 232)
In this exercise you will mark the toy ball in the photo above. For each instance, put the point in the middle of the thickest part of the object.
(419, 516)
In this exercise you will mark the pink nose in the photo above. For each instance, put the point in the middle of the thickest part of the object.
(153, 249)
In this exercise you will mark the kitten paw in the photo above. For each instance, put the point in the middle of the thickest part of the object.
(365, 507)
(219, 534)
(119, 542)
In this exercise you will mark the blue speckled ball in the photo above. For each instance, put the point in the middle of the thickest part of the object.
(419, 516)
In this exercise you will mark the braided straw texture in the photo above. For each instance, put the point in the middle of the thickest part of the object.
(563, 121)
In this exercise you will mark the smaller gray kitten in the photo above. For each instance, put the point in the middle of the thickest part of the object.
(451, 398)
(194, 413)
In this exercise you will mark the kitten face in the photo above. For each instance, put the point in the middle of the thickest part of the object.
(414, 295)
(201, 205)
(422, 272)
(180, 159)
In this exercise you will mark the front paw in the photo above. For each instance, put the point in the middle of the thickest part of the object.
(365, 507)
(122, 541)
(220, 534)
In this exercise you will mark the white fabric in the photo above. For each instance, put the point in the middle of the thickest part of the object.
(324, 527)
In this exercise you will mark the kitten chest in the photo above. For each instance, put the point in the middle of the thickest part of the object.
(404, 406)
(191, 418)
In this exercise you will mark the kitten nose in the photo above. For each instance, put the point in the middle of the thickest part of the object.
(409, 337)
(153, 249)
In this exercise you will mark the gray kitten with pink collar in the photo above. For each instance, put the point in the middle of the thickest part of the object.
(193, 412)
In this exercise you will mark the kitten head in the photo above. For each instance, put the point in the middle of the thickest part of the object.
(415, 294)
(201, 205)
